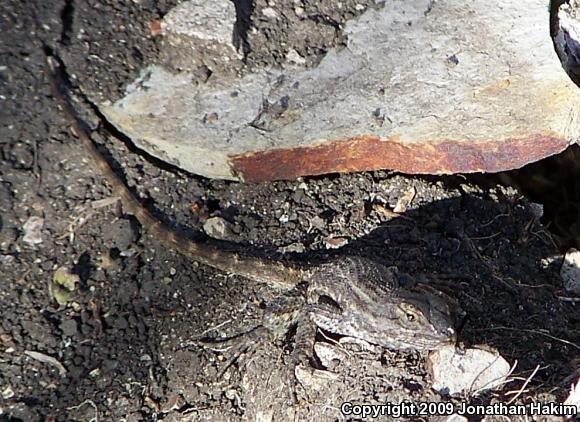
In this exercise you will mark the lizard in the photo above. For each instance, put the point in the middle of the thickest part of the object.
(348, 296)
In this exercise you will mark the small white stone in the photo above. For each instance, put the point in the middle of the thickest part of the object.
(404, 202)
(473, 370)
(294, 57)
(7, 260)
(570, 271)
(335, 242)
(269, 13)
(296, 247)
(8, 393)
(33, 230)
(200, 32)
(317, 222)
(212, 21)
(550, 259)
(217, 228)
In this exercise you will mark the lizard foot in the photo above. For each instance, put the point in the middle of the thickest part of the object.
(237, 346)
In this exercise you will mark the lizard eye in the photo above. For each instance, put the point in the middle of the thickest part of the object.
(409, 312)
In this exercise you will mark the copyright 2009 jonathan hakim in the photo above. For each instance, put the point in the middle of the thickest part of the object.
(408, 409)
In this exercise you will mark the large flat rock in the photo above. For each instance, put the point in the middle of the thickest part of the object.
(422, 87)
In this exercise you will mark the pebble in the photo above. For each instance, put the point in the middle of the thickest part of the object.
(199, 19)
(33, 230)
(8, 393)
(296, 247)
(335, 242)
(472, 370)
(217, 228)
(294, 57)
(7, 260)
(570, 271)
(198, 36)
(317, 222)
(269, 13)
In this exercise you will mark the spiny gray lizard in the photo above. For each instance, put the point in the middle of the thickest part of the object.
(350, 296)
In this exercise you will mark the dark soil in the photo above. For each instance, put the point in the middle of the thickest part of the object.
(126, 335)
(555, 183)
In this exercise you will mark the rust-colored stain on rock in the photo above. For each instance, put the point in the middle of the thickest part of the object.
(373, 153)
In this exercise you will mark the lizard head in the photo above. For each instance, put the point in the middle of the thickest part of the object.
(357, 297)
(425, 319)
(406, 321)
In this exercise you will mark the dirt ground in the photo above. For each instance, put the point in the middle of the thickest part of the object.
(123, 345)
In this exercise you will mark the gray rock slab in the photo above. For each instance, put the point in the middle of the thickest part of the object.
(421, 87)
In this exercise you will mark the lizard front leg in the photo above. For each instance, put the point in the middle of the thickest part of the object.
(280, 316)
